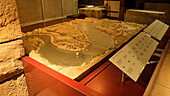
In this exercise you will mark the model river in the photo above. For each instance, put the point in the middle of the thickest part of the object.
(100, 42)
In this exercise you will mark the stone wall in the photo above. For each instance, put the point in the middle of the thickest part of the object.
(11, 49)
(9, 22)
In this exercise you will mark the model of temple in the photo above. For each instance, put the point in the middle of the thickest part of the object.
(73, 47)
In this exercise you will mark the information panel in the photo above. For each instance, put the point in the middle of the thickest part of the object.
(133, 57)
(157, 29)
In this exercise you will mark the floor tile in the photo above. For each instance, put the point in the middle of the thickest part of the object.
(162, 83)
(164, 76)
(160, 90)
(166, 61)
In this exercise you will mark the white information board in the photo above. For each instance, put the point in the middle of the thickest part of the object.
(133, 57)
(157, 29)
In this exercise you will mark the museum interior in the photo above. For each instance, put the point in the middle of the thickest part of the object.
(84, 47)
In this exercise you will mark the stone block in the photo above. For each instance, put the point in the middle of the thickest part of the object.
(14, 87)
(9, 22)
(12, 50)
(10, 53)
(10, 69)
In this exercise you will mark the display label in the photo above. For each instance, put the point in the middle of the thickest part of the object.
(157, 29)
(133, 57)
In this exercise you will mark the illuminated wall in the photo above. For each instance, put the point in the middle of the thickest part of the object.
(37, 11)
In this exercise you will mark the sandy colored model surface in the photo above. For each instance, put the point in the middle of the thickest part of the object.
(79, 38)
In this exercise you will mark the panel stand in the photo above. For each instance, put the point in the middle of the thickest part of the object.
(124, 77)
(158, 52)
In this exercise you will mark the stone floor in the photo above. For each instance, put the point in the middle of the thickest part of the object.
(162, 83)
